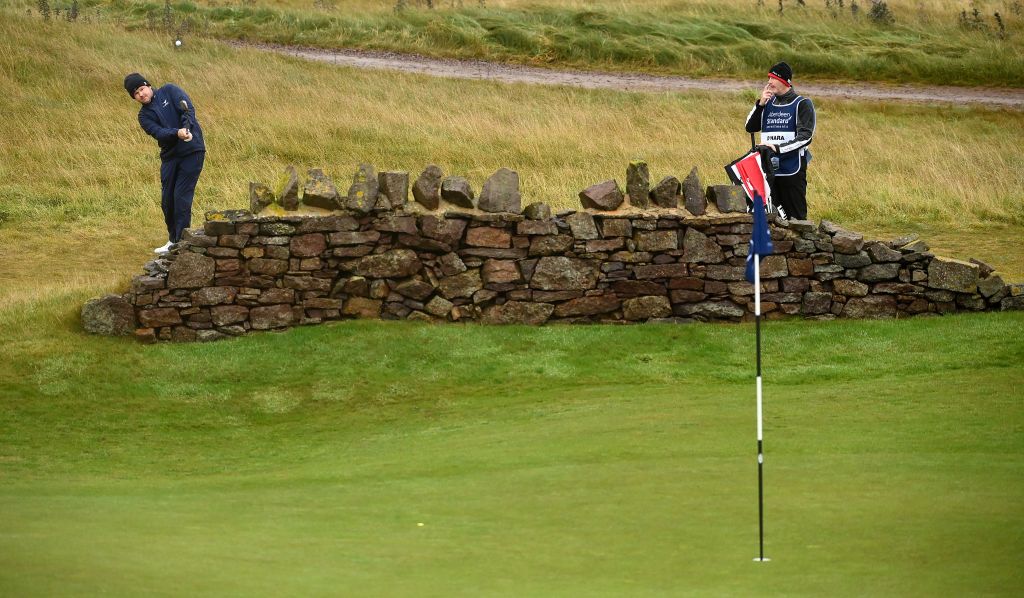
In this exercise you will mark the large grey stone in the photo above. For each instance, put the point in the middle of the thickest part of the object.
(991, 284)
(582, 225)
(602, 196)
(395, 187)
(451, 264)
(856, 260)
(556, 273)
(694, 199)
(647, 307)
(657, 240)
(538, 210)
(310, 245)
(457, 191)
(698, 248)
(439, 306)
(260, 196)
(728, 198)
(190, 271)
(638, 184)
(224, 315)
(666, 193)
(847, 242)
(881, 253)
(320, 191)
(616, 227)
(878, 272)
(396, 263)
(588, 306)
(159, 317)
(550, 244)
(873, 306)
(518, 312)
(213, 296)
(1013, 302)
(288, 189)
(362, 195)
(110, 315)
(501, 192)
(850, 288)
(953, 275)
(500, 272)
(461, 285)
(815, 303)
(427, 188)
(445, 230)
(715, 309)
(773, 266)
(415, 289)
(362, 307)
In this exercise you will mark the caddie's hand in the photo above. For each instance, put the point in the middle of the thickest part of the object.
(766, 94)
(183, 134)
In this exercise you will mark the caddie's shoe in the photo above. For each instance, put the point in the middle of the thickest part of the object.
(163, 248)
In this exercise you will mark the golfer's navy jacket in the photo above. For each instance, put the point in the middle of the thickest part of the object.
(162, 118)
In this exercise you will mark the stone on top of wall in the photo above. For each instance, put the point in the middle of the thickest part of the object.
(501, 193)
(666, 193)
(694, 198)
(638, 184)
(602, 196)
(381, 256)
(427, 188)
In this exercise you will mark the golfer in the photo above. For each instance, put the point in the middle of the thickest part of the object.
(786, 122)
(168, 116)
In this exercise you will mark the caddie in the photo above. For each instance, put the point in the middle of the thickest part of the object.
(786, 122)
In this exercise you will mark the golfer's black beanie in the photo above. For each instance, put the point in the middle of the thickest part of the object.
(133, 82)
(782, 71)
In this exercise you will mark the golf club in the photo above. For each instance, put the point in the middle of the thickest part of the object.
(184, 108)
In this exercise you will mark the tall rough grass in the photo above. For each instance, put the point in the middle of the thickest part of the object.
(695, 37)
(78, 178)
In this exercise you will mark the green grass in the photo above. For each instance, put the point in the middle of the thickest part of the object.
(729, 38)
(552, 461)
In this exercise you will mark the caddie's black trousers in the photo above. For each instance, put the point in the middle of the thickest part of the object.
(790, 193)
(178, 178)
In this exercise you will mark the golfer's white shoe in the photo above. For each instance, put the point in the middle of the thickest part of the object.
(163, 248)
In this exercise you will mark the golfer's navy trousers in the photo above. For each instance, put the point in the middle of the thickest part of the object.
(178, 178)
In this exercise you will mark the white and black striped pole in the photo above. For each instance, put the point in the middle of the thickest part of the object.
(760, 421)
(760, 245)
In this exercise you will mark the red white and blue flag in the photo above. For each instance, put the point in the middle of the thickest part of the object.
(748, 172)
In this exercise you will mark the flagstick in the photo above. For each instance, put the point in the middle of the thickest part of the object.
(760, 438)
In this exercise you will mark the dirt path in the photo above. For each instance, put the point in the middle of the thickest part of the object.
(511, 73)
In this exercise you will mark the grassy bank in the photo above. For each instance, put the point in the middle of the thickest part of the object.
(554, 461)
(926, 43)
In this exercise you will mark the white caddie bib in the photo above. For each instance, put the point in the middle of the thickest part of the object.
(777, 137)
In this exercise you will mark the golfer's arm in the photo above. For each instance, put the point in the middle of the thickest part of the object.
(154, 130)
(185, 118)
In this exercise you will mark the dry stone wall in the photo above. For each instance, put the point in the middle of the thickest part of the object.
(307, 254)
